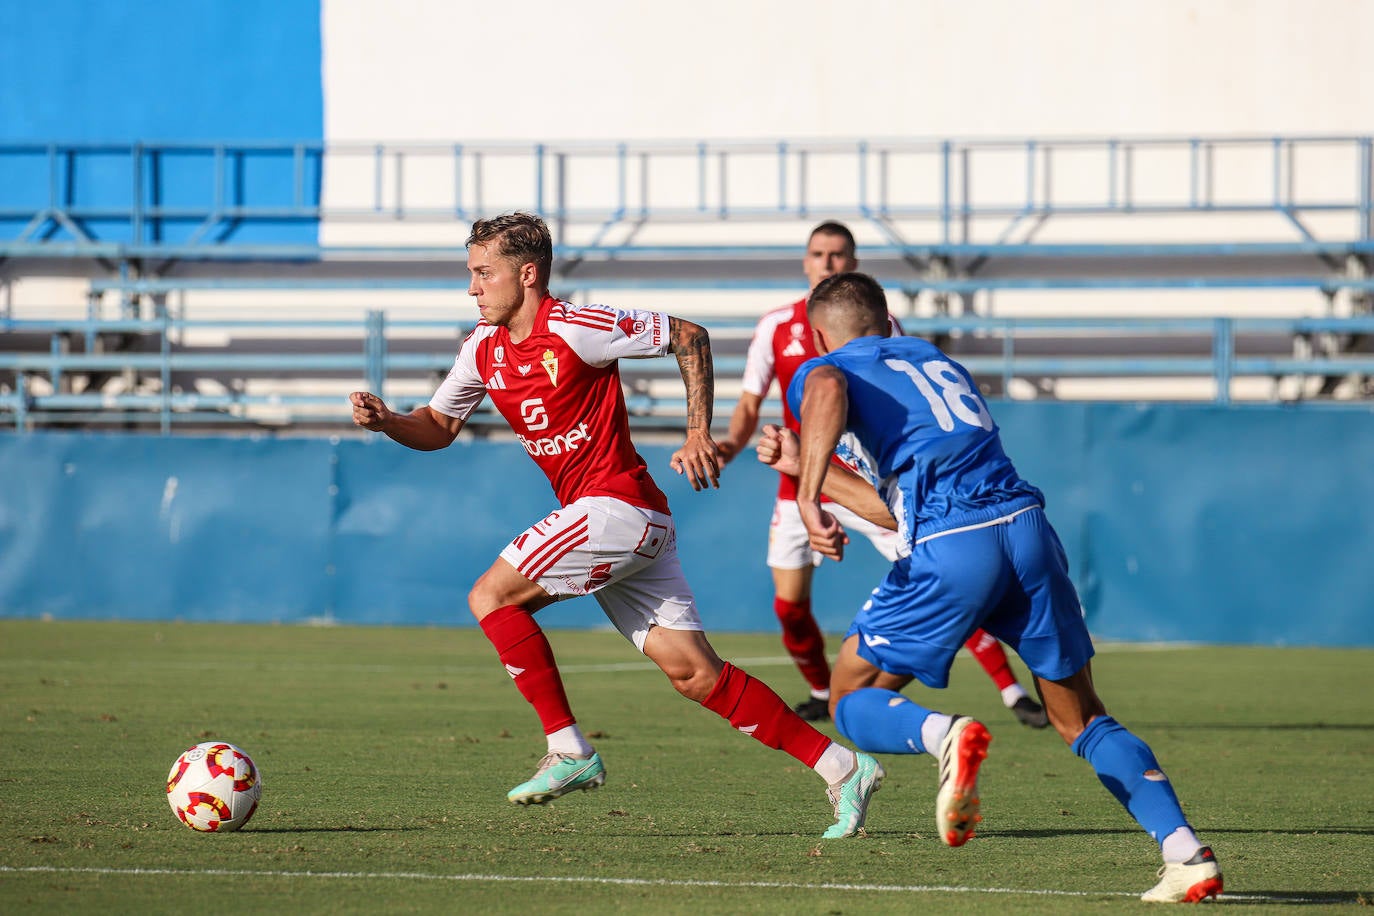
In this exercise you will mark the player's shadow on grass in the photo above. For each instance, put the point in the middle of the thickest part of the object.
(1260, 726)
(1040, 834)
(1250, 896)
(330, 829)
(1303, 831)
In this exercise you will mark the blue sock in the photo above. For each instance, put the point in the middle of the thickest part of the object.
(1129, 770)
(881, 721)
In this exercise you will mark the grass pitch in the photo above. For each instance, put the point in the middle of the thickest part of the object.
(386, 755)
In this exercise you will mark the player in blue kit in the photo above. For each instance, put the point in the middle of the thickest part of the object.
(928, 460)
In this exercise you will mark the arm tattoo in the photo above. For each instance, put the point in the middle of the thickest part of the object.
(691, 344)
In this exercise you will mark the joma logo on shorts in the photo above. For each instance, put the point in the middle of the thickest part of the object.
(557, 445)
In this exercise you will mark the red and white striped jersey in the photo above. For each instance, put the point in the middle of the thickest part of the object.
(782, 341)
(559, 389)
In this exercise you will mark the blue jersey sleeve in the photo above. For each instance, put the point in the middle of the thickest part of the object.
(798, 385)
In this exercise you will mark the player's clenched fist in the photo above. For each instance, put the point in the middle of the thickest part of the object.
(779, 448)
(826, 534)
(368, 410)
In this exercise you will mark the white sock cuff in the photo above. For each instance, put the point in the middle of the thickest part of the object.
(1011, 694)
(569, 740)
(933, 731)
(1181, 845)
(836, 762)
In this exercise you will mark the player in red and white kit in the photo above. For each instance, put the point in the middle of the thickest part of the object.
(782, 342)
(550, 368)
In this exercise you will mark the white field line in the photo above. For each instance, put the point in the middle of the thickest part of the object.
(288, 665)
(770, 661)
(628, 882)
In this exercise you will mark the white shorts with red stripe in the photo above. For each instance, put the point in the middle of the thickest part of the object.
(789, 545)
(623, 555)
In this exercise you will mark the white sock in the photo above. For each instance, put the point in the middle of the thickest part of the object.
(1181, 845)
(836, 763)
(569, 740)
(933, 731)
(820, 694)
(1011, 694)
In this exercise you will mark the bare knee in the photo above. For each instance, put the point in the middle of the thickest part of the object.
(686, 658)
(482, 599)
(487, 594)
(501, 586)
(692, 674)
(696, 684)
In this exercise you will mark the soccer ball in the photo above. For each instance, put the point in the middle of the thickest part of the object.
(214, 787)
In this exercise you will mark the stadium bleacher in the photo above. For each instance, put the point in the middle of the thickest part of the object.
(168, 286)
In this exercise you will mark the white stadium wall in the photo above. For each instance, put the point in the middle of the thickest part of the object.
(769, 69)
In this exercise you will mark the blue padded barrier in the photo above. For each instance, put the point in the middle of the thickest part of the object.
(1182, 523)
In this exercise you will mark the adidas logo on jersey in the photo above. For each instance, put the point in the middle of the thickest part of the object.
(795, 348)
(496, 382)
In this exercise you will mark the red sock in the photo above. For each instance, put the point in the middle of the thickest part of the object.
(753, 708)
(525, 651)
(990, 655)
(802, 638)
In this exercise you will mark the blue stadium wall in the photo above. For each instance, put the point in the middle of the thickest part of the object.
(190, 71)
(1191, 523)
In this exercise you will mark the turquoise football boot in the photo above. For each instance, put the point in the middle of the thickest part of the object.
(559, 774)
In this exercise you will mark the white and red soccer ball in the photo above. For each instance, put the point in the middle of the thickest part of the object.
(214, 787)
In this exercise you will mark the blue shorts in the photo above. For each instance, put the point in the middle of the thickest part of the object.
(1009, 577)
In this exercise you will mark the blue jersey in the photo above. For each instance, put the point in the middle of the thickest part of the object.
(920, 432)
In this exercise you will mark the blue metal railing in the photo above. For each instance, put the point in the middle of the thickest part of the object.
(368, 353)
(202, 195)
(579, 285)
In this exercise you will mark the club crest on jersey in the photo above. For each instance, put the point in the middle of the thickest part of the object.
(550, 363)
(498, 355)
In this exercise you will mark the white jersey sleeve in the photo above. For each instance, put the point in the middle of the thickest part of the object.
(759, 361)
(462, 390)
(600, 334)
(850, 452)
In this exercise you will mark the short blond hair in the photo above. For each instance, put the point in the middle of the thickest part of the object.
(520, 237)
